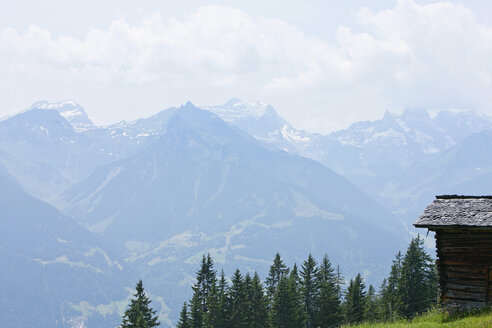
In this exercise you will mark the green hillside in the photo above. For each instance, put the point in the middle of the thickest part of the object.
(439, 319)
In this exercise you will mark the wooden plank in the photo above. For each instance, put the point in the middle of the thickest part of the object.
(465, 282)
(477, 297)
(466, 288)
(463, 268)
(466, 247)
(487, 298)
(464, 304)
(473, 240)
(443, 233)
(464, 260)
(477, 254)
(463, 249)
(475, 236)
(466, 276)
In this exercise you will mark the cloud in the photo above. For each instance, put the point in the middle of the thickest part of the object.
(215, 44)
(430, 55)
(434, 56)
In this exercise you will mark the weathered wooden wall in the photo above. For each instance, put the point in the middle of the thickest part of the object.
(465, 266)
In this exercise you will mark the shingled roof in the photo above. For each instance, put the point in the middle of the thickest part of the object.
(457, 211)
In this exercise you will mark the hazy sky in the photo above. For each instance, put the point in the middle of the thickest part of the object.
(322, 64)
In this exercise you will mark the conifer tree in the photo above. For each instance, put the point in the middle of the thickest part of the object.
(184, 320)
(211, 317)
(294, 274)
(340, 281)
(329, 305)
(287, 308)
(277, 270)
(417, 286)
(370, 305)
(355, 300)
(224, 311)
(309, 290)
(295, 291)
(139, 314)
(248, 300)
(196, 312)
(218, 305)
(205, 279)
(238, 305)
(258, 303)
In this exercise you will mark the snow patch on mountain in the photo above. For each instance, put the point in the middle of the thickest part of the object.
(96, 250)
(65, 260)
(70, 110)
(235, 110)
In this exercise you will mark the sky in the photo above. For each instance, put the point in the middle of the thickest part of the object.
(321, 64)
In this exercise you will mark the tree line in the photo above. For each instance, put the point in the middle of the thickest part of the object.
(310, 296)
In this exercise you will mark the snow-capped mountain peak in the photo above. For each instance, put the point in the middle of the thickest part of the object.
(236, 109)
(260, 120)
(70, 110)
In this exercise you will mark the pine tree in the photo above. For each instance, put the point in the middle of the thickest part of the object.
(295, 291)
(340, 281)
(218, 305)
(211, 317)
(329, 305)
(417, 286)
(277, 270)
(294, 274)
(370, 305)
(355, 300)
(258, 303)
(224, 301)
(184, 320)
(140, 314)
(309, 290)
(287, 307)
(238, 305)
(205, 279)
(196, 313)
(248, 300)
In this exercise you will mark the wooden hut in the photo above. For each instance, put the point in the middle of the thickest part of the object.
(463, 232)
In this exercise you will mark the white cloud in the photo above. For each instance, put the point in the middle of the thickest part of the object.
(434, 55)
(216, 44)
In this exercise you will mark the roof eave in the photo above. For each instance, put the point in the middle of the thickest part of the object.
(454, 226)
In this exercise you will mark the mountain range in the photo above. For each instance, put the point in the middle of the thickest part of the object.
(389, 158)
(146, 199)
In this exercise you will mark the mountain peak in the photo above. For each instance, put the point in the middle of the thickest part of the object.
(235, 110)
(69, 109)
(387, 116)
(189, 104)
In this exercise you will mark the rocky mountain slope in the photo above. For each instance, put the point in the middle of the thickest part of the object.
(52, 268)
(387, 158)
(205, 186)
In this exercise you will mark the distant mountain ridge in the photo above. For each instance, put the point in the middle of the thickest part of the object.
(262, 122)
(70, 110)
(206, 186)
(234, 180)
(371, 154)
